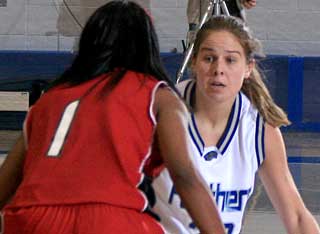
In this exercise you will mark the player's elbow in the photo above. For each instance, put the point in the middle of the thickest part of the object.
(186, 178)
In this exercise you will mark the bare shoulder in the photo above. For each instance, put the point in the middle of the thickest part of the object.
(274, 144)
(273, 136)
(275, 164)
(167, 100)
(272, 133)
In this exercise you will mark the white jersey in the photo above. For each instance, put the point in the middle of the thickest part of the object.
(229, 167)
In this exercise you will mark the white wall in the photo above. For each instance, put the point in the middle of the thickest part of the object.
(288, 27)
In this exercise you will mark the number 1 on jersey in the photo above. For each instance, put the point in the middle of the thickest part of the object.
(63, 128)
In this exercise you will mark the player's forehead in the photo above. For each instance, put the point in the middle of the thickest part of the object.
(221, 42)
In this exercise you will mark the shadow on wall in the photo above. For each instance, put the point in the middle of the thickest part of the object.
(74, 13)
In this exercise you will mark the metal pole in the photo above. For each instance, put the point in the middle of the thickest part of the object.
(224, 8)
(218, 5)
(190, 49)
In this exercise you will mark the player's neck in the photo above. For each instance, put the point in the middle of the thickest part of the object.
(212, 112)
(211, 126)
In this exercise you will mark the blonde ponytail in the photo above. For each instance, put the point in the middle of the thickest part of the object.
(255, 89)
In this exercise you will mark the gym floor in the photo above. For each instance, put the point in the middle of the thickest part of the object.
(303, 151)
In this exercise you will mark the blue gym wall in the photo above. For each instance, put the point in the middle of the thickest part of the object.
(293, 82)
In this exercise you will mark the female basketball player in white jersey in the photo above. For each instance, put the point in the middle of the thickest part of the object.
(234, 130)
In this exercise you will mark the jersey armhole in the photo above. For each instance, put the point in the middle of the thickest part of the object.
(26, 127)
(153, 95)
(259, 140)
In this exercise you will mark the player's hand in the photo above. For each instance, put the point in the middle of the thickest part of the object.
(248, 4)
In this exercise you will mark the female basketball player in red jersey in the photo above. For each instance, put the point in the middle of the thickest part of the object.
(96, 132)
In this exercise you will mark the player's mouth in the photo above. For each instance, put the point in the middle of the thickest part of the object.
(217, 84)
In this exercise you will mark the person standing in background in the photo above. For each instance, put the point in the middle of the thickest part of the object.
(197, 8)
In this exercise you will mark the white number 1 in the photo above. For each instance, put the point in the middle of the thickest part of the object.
(62, 130)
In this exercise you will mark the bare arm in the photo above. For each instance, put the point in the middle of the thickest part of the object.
(248, 4)
(281, 188)
(11, 171)
(174, 147)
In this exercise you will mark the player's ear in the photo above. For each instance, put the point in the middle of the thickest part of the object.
(249, 68)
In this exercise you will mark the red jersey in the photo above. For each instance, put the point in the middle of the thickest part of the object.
(87, 147)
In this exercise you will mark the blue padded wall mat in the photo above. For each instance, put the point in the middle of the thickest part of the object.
(293, 82)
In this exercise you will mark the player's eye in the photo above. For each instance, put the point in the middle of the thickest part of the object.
(231, 59)
(209, 59)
